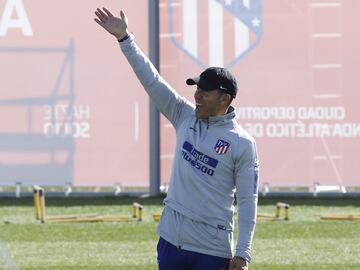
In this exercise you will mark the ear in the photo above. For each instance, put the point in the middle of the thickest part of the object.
(226, 99)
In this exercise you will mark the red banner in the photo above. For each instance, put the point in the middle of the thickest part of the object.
(71, 109)
(295, 63)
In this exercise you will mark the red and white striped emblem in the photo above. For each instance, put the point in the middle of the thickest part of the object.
(215, 32)
(221, 147)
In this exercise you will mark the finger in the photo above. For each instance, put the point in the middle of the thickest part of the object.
(122, 15)
(99, 23)
(103, 15)
(99, 17)
(108, 12)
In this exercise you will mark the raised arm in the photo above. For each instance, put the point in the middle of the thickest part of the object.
(166, 99)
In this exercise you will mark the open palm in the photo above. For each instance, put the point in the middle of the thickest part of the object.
(116, 26)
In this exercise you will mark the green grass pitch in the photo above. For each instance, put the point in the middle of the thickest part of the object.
(302, 243)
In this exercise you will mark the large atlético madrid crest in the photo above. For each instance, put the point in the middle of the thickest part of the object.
(215, 32)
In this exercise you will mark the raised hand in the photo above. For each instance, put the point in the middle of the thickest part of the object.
(117, 26)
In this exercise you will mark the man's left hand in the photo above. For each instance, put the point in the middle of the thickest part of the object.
(238, 263)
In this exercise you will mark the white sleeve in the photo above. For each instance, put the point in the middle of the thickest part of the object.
(247, 177)
(166, 99)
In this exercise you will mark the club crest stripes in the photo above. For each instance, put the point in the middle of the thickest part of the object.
(210, 34)
(221, 147)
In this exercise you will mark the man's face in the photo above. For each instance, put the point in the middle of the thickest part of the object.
(208, 103)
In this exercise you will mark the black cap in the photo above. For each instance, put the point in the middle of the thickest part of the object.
(214, 78)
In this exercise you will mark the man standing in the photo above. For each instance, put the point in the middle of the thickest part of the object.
(214, 160)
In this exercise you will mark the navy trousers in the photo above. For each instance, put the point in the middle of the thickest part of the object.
(172, 258)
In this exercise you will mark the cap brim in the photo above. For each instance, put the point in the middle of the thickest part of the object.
(192, 81)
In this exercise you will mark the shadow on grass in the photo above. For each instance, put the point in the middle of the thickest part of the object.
(313, 201)
(80, 201)
(111, 200)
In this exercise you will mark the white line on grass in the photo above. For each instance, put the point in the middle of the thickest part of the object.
(6, 260)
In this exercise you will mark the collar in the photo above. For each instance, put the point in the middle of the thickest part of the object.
(222, 118)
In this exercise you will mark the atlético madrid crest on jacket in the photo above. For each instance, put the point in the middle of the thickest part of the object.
(221, 147)
(215, 32)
